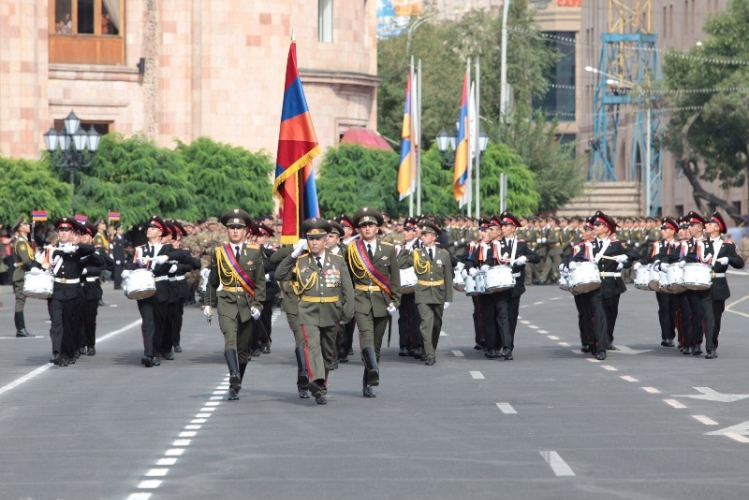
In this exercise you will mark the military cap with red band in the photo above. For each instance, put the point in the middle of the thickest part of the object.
(718, 219)
(335, 227)
(66, 223)
(602, 218)
(345, 220)
(484, 223)
(669, 223)
(509, 219)
(410, 224)
(695, 218)
(159, 223)
(494, 220)
(264, 230)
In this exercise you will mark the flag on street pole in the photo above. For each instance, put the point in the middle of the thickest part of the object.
(405, 178)
(39, 215)
(297, 146)
(460, 176)
(114, 216)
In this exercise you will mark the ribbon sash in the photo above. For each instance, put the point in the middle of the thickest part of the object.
(380, 280)
(243, 278)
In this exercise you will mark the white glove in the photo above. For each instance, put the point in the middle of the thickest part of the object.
(160, 259)
(485, 267)
(462, 240)
(472, 272)
(392, 309)
(543, 240)
(118, 262)
(722, 260)
(561, 268)
(638, 265)
(520, 261)
(141, 262)
(410, 244)
(455, 244)
(69, 248)
(173, 269)
(463, 273)
(572, 265)
(637, 244)
(538, 240)
(125, 274)
(267, 277)
(682, 263)
(619, 266)
(447, 305)
(205, 272)
(207, 312)
(84, 272)
(621, 259)
(299, 247)
(35, 270)
(254, 313)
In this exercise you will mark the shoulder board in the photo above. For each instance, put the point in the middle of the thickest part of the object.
(303, 254)
(253, 245)
(729, 243)
(521, 240)
(386, 243)
(338, 256)
(613, 239)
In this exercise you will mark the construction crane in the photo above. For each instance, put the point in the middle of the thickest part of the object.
(628, 71)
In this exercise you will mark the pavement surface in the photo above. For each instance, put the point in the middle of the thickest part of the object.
(647, 423)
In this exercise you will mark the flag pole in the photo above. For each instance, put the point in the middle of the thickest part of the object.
(412, 153)
(417, 145)
(469, 181)
(477, 126)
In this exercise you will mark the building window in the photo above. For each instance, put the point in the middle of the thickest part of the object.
(679, 210)
(102, 127)
(325, 21)
(86, 31)
(559, 101)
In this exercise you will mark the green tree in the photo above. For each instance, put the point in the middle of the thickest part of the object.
(709, 132)
(30, 185)
(226, 176)
(522, 198)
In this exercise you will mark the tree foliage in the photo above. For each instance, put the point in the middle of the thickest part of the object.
(522, 198)
(710, 130)
(30, 185)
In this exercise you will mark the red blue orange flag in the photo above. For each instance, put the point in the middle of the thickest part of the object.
(297, 146)
(405, 176)
(460, 176)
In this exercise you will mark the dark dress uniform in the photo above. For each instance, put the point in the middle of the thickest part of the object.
(92, 267)
(120, 257)
(409, 336)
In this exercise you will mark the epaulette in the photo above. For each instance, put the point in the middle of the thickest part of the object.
(253, 245)
(336, 255)
(386, 243)
(521, 240)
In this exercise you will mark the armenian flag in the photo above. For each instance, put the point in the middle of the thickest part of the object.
(460, 176)
(297, 146)
(114, 216)
(404, 171)
(39, 215)
(81, 218)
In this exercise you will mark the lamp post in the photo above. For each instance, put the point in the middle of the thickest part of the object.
(72, 148)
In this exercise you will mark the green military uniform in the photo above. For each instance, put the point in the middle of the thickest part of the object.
(23, 260)
(434, 288)
(553, 254)
(236, 300)
(325, 299)
(371, 301)
(101, 241)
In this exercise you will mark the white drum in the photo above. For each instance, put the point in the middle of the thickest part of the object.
(655, 280)
(140, 284)
(476, 285)
(663, 282)
(408, 280)
(564, 283)
(642, 278)
(499, 279)
(585, 277)
(458, 281)
(675, 279)
(698, 276)
(38, 286)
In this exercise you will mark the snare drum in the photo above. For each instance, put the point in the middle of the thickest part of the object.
(675, 279)
(458, 282)
(499, 279)
(663, 282)
(476, 285)
(642, 278)
(408, 280)
(698, 276)
(564, 283)
(38, 286)
(140, 284)
(585, 277)
(655, 280)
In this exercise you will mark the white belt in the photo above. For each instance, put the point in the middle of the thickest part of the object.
(718, 275)
(71, 281)
(516, 275)
(611, 275)
(161, 278)
(92, 279)
(177, 278)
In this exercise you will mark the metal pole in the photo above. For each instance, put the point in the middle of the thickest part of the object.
(469, 180)
(476, 136)
(503, 70)
(418, 139)
(72, 189)
(412, 160)
(648, 172)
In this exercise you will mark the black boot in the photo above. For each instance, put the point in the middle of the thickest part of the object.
(20, 325)
(366, 387)
(235, 379)
(370, 362)
(242, 368)
(302, 380)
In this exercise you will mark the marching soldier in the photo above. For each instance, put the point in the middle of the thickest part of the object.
(345, 339)
(665, 252)
(434, 288)
(262, 342)
(178, 273)
(326, 298)
(93, 266)
(696, 225)
(409, 341)
(554, 241)
(23, 261)
(238, 268)
(333, 245)
(376, 278)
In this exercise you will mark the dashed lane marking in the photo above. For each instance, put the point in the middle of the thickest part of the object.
(538, 303)
(139, 496)
(444, 334)
(651, 390)
(593, 360)
(506, 408)
(477, 375)
(555, 298)
(705, 420)
(609, 368)
(534, 327)
(557, 464)
(552, 337)
(628, 378)
(737, 437)
(525, 322)
(564, 344)
(674, 404)
(457, 354)
(542, 331)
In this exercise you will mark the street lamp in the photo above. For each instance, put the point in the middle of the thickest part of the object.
(446, 141)
(73, 148)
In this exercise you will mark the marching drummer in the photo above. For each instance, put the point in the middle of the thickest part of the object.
(410, 341)
(610, 256)
(665, 252)
(693, 342)
(584, 313)
(719, 254)
(477, 252)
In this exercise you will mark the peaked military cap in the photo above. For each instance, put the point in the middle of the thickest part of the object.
(235, 217)
(368, 215)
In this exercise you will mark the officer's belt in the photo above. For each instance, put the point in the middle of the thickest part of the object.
(161, 278)
(91, 279)
(554, 244)
(367, 288)
(66, 281)
(718, 275)
(319, 300)
(610, 275)
(516, 275)
(234, 289)
(18, 264)
(177, 278)
(431, 283)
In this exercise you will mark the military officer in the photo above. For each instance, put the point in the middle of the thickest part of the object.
(410, 341)
(376, 278)
(345, 340)
(238, 268)
(434, 288)
(554, 242)
(333, 244)
(326, 298)
(23, 261)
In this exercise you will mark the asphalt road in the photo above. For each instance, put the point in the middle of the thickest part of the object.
(552, 424)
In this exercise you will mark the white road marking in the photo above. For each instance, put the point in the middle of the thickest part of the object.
(741, 429)
(575, 351)
(737, 437)
(181, 442)
(506, 408)
(149, 484)
(193, 427)
(443, 334)
(651, 390)
(542, 331)
(139, 496)
(626, 350)
(47, 366)
(533, 327)
(198, 421)
(157, 472)
(174, 452)
(552, 337)
(593, 360)
(32, 337)
(525, 322)
(203, 415)
(564, 344)
(711, 395)
(166, 461)
(555, 298)
(477, 375)
(609, 368)
(538, 303)
(211, 403)
(221, 393)
(705, 420)
(457, 354)
(557, 464)
(207, 409)
(216, 398)
(187, 434)
(675, 404)
(628, 378)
